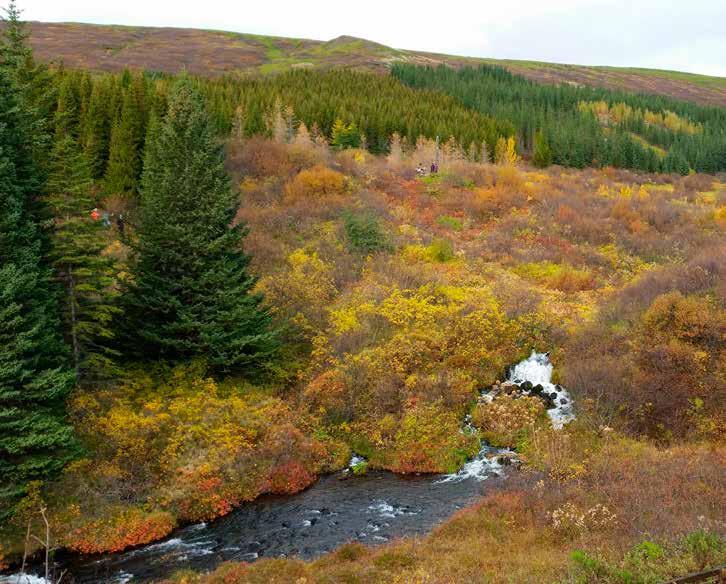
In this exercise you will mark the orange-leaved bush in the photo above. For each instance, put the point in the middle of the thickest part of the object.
(315, 184)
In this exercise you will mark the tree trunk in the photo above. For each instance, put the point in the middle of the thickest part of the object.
(74, 335)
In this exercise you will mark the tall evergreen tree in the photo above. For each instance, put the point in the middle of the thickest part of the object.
(190, 293)
(35, 439)
(78, 241)
(15, 50)
(33, 82)
(97, 129)
(127, 134)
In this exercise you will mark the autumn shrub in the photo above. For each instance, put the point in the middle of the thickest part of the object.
(450, 387)
(260, 157)
(450, 222)
(204, 494)
(570, 520)
(365, 233)
(650, 561)
(438, 251)
(557, 276)
(562, 454)
(328, 395)
(302, 290)
(315, 184)
(117, 530)
(289, 478)
(497, 200)
(427, 439)
(509, 176)
(183, 448)
(504, 421)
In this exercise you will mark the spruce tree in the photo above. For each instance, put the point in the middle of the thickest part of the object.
(127, 134)
(35, 90)
(87, 276)
(35, 439)
(96, 131)
(15, 50)
(190, 294)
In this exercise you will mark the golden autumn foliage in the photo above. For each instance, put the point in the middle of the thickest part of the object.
(619, 275)
(184, 449)
(315, 184)
(506, 152)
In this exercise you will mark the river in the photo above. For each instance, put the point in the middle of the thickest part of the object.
(373, 508)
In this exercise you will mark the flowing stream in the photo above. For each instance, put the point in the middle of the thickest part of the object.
(373, 508)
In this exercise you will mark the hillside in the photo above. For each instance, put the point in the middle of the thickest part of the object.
(461, 291)
(111, 48)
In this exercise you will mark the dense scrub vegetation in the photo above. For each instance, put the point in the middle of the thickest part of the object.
(585, 126)
(209, 295)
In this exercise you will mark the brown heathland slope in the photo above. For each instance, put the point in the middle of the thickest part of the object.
(205, 52)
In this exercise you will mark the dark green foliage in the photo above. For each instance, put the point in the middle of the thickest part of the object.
(576, 138)
(85, 274)
(364, 233)
(97, 129)
(649, 562)
(126, 143)
(675, 162)
(35, 440)
(35, 88)
(542, 155)
(373, 106)
(190, 294)
(15, 50)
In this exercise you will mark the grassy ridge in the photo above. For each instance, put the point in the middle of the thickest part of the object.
(210, 52)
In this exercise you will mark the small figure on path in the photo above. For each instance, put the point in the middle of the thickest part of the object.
(120, 224)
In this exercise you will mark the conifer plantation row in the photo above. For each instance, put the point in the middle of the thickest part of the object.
(570, 126)
(586, 126)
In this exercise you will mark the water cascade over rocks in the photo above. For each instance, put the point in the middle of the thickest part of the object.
(533, 376)
(372, 507)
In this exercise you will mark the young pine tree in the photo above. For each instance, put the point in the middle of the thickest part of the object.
(542, 156)
(190, 294)
(87, 276)
(35, 439)
(345, 136)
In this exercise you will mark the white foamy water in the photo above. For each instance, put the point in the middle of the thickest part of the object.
(385, 509)
(537, 369)
(355, 460)
(484, 465)
(23, 579)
